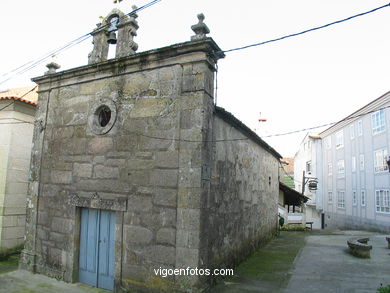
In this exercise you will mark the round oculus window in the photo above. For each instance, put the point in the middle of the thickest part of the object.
(102, 117)
(103, 114)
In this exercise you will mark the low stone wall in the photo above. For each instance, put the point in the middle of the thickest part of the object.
(338, 221)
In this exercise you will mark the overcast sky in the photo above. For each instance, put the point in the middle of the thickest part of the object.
(300, 82)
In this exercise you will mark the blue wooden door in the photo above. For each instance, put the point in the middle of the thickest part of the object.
(97, 248)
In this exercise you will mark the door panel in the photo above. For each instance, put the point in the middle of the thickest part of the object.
(106, 250)
(97, 248)
(88, 242)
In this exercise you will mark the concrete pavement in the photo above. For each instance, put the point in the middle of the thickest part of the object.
(325, 265)
(21, 281)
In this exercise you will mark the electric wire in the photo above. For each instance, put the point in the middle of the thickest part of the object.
(306, 31)
(237, 139)
(328, 124)
(31, 64)
(84, 37)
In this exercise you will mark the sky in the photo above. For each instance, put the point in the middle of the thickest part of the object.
(296, 83)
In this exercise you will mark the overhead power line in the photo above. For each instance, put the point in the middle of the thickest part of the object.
(307, 31)
(328, 124)
(31, 64)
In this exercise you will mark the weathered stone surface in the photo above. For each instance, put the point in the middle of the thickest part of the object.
(138, 235)
(160, 254)
(82, 170)
(140, 204)
(187, 257)
(189, 198)
(72, 146)
(188, 239)
(100, 171)
(100, 145)
(164, 177)
(138, 164)
(136, 177)
(60, 225)
(166, 236)
(126, 143)
(188, 219)
(165, 197)
(168, 159)
(161, 217)
(61, 177)
(190, 177)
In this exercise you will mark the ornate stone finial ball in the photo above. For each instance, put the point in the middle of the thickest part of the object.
(201, 17)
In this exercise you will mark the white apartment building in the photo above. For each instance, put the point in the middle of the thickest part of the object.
(354, 187)
(306, 160)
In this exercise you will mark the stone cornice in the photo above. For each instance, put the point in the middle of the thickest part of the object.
(165, 56)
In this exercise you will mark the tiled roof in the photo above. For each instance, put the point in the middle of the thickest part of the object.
(20, 94)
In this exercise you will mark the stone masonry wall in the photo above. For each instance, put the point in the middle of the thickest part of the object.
(241, 211)
(147, 167)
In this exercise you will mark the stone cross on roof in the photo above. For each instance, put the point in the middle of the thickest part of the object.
(200, 29)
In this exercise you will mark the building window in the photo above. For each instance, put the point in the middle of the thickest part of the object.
(378, 121)
(330, 196)
(360, 128)
(339, 139)
(341, 199)
(308, 167)
(330, 169)
(361, 162)
(352, 131)
(354, 198)
(340, 168)
(363, 198)
(353, 164)
(380, 161)
(102, 116)
(328, 142)
(382, 201)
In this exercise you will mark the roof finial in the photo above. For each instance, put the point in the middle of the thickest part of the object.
(52, 66)
(200, 29)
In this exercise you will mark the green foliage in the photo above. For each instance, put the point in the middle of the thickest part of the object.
(11, 264)
(6, 253)
(293, 227)
(382, 289)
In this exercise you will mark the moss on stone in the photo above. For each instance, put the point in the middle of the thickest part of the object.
(270, 264)
(10, 264)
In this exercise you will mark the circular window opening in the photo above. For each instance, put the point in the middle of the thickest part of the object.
(104, 115)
